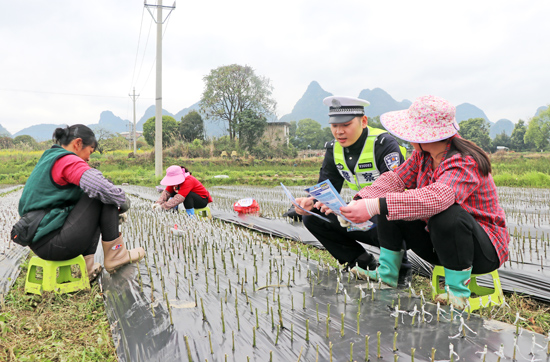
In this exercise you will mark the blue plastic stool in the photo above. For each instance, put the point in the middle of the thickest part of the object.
(204, 212)
(56, 276)
(485, 296)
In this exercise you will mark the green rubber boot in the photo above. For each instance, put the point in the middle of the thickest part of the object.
(388, 271)
(456, 284)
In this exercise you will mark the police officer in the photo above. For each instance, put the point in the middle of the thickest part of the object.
(357, 156)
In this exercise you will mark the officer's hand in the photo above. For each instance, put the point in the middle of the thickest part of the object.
(323, 208)
(361, 210)
(125, 206)
(304, 202)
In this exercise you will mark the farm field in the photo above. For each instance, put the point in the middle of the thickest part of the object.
(217, 290)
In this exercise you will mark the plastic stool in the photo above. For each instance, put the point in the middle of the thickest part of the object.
(485, 296)
(62, 282)
(204, 212)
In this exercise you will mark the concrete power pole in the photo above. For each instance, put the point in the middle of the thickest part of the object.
(158, 104)
(134, 133)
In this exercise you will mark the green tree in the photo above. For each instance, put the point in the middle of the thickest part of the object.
(115, 143)
(101, 135)
(250, 127)
(231, 89)
(374, 122)
(292, 131)
(538, 131)
(191, 127)
(517, 142)
(169, 131)
(6, 142)
(477, 131)
(501, 139)
(24, 140)
(309, 133)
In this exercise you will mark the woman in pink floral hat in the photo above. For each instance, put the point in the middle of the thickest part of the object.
(182, 188)
(442, 201)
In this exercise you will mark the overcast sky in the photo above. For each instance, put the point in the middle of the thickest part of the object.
(66, 61)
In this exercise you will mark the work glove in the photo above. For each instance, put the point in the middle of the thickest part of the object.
(156, 207)
(125, 206)
(122, 218)
(343, 222)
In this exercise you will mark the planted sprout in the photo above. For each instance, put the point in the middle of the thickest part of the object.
(378, 344)
(342, 327)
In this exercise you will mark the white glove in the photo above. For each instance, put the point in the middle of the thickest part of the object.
(156, 207)
(122, 218)
(343, 222)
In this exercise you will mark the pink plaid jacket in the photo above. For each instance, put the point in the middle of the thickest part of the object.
(415, 191)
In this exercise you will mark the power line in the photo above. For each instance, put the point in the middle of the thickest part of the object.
(62, 93)
(154, 61)
(137, 50)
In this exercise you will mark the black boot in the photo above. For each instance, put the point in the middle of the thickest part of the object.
(366, 261)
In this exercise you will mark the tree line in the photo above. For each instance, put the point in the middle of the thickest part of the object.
(242, 100)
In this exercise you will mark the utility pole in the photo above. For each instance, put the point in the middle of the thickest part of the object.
(134, 133)
(158, 104)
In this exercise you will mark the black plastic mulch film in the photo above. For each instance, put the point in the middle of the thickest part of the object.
(211, 290)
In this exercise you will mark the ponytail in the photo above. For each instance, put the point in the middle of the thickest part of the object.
(186, 170)
(64, 136)
(468, 148)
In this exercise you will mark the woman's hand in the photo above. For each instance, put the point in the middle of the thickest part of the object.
(361, 210)
(304, 202)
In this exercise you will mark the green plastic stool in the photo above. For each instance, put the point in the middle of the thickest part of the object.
(62, 282)
(485, 296)
(204, 212)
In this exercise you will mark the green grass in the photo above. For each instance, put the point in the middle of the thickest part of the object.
(509, 169)
(52, 327)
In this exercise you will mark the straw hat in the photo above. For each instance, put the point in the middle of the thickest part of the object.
(174, 176)
(428, 119)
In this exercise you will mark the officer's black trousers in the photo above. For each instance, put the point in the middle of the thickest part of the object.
(455, 240)
(343, 245)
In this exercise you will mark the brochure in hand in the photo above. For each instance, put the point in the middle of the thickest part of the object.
(327, 194)
(293, 200)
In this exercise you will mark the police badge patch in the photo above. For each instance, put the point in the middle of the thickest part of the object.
(340, 166)
(392, 160)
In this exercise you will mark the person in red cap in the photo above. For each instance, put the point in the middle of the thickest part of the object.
(442, 201)
(182, 187)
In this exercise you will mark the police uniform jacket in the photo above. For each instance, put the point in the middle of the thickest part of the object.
(385, 145)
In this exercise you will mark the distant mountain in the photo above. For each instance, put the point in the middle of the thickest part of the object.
(108, 121)
(381, 102)
(466, 111)
(213, 128)
(310, 106)
(501, 125)
(4, 132)
(40, 132)
(540, 109)
(151, 112)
